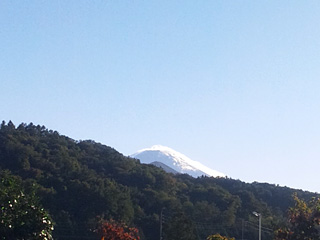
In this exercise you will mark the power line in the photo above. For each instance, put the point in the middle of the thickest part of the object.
(263, 228)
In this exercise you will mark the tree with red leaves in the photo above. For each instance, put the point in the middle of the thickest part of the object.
(112, 230)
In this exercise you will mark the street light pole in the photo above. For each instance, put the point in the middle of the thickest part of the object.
(259, 226)
(258, 215)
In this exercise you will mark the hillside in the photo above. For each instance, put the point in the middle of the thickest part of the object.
(82, 182)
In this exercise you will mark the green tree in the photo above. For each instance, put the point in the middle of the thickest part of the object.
(304, 221)
(179, 227)
(21, 217)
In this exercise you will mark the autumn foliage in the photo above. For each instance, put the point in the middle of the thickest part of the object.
(112, 230)
(304, 221)
(218, 237)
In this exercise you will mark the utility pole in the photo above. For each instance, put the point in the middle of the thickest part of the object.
(161, 222)
(242, 228)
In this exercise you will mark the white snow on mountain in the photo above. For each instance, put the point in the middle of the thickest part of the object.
(175, 160)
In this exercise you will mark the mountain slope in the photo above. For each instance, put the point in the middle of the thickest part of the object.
(165, 167)
(81, 182)
(175, 160)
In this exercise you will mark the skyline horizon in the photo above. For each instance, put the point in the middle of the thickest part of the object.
(233, 85)
(139, 150)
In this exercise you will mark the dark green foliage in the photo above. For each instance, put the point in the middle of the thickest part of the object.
(179, 227)
(81, 183)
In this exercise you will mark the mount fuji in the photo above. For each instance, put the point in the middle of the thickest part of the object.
(174, 162)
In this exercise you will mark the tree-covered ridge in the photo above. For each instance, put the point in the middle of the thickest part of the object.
(82, 182)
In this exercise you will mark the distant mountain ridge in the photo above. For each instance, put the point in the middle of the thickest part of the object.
(78, 181)
(171, 159)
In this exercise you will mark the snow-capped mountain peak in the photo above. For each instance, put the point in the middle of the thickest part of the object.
(175, 160)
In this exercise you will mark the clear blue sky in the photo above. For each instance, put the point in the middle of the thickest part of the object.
(232, 84)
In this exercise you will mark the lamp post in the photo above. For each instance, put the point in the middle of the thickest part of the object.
(258, 215)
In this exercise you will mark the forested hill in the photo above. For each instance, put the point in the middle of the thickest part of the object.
(82, 182)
